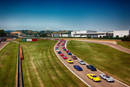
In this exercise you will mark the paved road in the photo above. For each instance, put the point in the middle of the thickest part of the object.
(118, 47)
(83, 76)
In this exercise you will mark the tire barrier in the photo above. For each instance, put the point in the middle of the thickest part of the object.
(20, 82)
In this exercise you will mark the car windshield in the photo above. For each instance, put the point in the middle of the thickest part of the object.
(94, 76)
(107, 76)
(92, 66)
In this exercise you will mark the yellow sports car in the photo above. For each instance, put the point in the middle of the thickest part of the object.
(70, 61)
(94, 77)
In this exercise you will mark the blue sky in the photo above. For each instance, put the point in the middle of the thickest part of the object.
(101, 15)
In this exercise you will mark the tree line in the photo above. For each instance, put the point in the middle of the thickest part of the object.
(2, 33)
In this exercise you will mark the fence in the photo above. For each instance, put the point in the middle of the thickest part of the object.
(19, 81)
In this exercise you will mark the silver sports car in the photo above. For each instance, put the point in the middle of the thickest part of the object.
(106, 77)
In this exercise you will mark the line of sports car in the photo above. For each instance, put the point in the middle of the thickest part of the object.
(70, 60)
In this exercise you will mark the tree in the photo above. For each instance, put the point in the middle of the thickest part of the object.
(126, 38)
(2, 33)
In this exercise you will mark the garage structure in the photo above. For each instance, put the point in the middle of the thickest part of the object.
(90, 34)
(96, 34)
(121, 33)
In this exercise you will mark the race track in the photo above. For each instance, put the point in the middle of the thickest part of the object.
(118, 47)
(82, 75)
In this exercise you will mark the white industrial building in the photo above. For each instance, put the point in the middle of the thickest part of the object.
(61, 34)
(84, 33)
(91, 34)
(95, 34)
(121, 33)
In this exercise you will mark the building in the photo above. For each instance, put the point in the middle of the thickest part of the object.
(61, 34)
(95, 34)
(121, 33)
(16, 34)
(91, 34)
(87, 33)
(105, 34)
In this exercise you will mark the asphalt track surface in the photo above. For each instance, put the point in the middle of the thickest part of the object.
(82, 75)
(118, 47)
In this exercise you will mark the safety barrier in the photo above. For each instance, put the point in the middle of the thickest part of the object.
(19, 82)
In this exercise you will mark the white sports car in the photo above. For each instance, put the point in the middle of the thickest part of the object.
(106, 77)
(82, 62)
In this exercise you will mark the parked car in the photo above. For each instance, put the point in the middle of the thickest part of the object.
(64, 57)
(92, 68)
(82, 62)
(70, 61)
(94, 77)
(56, 48)
(62, 44)
(74, 57)
(77, 67)
(106, 77)
(58, 44)
(64, 49)
(59, 52)
(69, 53)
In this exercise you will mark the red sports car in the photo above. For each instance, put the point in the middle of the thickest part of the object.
(67, 51)
(64, 57)
(61, 54)
(63, 47)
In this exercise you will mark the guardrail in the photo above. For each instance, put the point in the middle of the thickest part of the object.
(19, 82)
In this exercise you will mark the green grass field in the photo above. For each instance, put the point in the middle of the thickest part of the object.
(8, 61)
(124, 44)
(103, 57)
(41, 68)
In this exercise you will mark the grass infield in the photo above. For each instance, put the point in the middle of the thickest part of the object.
(8, 62)
(41, 67)
(124, 44)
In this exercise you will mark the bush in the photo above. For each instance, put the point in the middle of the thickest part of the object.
(126, 38)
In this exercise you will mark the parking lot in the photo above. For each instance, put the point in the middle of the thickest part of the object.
(83, 74)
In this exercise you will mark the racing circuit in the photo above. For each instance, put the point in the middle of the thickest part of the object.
(82, 75)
